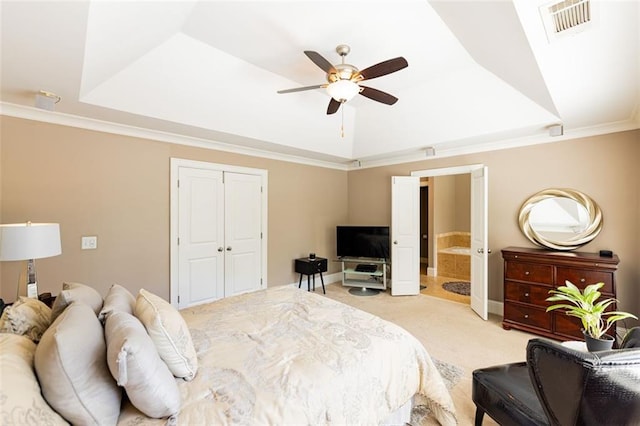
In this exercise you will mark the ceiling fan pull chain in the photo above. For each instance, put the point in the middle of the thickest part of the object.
(342, 126)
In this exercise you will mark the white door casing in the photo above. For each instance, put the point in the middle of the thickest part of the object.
(242, 232)
(479, 243)
(405, 235)
(479, 224)
(201, 236)
(183, 294)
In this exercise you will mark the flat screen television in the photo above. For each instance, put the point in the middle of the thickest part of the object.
(363, 241)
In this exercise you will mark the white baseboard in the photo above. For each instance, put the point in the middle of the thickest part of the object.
(493, 306)
(328, 279)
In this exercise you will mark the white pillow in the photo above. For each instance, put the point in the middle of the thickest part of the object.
(117, 299)
(76, 292)
(21, 402)
(71, 363)
(136, 365)
(169, 333)
(27, 317)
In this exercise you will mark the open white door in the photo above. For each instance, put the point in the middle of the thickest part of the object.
(479, 244)
(405, 235)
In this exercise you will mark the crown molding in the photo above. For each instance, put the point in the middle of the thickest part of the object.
(70, 120)
(441, 151)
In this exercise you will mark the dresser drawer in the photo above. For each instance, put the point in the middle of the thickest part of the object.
(527, 293)
(534, 317)
(530, 272)
(583, 277)
(567, 325)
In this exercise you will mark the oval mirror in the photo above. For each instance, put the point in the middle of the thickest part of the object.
(560, 219)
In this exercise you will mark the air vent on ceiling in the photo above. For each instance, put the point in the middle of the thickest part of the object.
(566, 17)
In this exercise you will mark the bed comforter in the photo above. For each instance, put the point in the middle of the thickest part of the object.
(284, 356)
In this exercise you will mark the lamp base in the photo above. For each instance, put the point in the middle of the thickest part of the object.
(32, 290)
(27, 284)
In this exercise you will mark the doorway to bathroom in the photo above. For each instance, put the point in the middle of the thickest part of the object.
(445, 225)
(479, 249)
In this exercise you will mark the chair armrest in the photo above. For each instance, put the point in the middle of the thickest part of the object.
(576, 387)
(631, 339)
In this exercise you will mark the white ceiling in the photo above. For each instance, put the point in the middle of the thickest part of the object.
(481, 73)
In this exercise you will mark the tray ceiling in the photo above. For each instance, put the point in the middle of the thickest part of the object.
(480, 72)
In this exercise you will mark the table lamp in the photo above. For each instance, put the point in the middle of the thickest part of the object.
(29, 241)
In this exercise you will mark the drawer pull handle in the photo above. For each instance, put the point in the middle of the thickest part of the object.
(526, 272)
(582, 280)
(526, 316)
(526, 295)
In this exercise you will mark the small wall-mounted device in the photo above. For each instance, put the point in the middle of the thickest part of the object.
(89, 242)
(556, 130)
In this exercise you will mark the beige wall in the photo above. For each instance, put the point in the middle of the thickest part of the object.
(117, 188)
(605, 167)
(452, 203)
(444, 204)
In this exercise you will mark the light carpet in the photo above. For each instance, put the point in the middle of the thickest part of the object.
(451, 332)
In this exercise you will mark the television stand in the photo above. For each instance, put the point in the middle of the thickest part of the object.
(366, 273)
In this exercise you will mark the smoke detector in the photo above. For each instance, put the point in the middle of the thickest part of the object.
(566, 17)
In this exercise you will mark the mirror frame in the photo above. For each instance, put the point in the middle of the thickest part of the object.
(592, 230)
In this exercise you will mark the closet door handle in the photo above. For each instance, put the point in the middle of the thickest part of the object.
(229, 248)
(220, 249)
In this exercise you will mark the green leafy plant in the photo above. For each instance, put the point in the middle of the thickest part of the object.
(586, 306)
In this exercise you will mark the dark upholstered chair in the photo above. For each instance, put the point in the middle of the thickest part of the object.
(558, 385)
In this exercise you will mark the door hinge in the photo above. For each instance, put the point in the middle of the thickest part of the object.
(178, 240)
(178, 298)
(261, 235)
(178, 183)
(261, 191)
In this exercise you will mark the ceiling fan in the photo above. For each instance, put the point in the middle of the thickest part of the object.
(343, 80)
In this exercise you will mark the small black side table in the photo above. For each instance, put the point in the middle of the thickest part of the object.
(311, 267)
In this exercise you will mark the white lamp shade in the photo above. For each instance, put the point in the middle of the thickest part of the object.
(23, 241)
(343, 90)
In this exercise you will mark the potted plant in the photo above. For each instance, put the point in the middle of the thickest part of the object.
(596, 320)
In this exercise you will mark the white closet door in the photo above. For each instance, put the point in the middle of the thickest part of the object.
(243, 233)
(201, 236)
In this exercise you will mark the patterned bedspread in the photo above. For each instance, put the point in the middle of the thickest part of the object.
(284, 356)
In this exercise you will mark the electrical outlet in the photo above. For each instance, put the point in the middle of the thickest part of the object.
(89, 243)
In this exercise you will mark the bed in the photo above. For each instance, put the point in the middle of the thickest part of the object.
(286, 356)
(280, 356)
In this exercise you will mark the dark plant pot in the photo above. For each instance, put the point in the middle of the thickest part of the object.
(603, 344)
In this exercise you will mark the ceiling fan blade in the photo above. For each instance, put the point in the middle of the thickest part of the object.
(384, 68)
(378, 95)
(320, 61)
(333, 106)
(300, 89)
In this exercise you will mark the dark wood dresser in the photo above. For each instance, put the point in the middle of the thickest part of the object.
(530, 273)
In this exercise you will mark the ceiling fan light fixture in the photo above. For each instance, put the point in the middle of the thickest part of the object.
(343, 90)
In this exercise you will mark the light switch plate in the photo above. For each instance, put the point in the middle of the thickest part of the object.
(89, 243)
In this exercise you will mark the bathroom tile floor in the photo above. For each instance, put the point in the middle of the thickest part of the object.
(434, 288)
